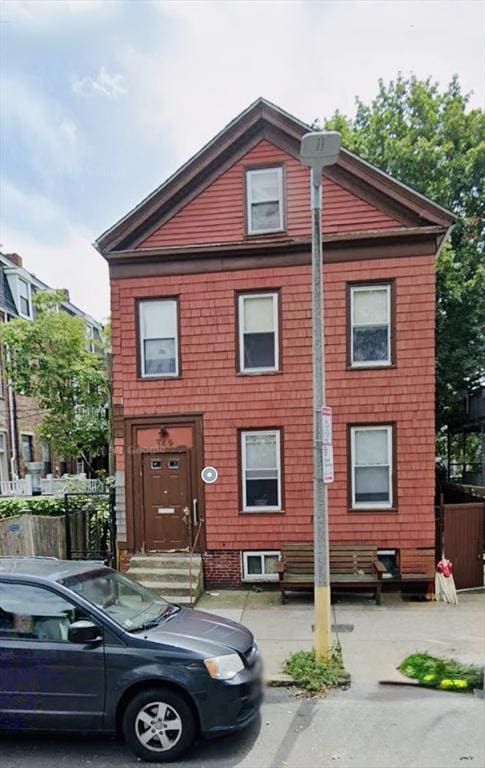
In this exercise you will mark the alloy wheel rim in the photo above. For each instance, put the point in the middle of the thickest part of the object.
(158, 726)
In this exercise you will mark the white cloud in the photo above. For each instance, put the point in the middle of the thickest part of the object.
(104, 83)
(41, 125)
(55, 248)
(37, 13)
(310, 58)
(69, 262)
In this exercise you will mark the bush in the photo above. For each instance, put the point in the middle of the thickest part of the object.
(317, 676)
(37, 505)
(446, 674)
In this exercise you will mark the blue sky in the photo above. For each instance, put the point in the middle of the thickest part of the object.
(102, 99)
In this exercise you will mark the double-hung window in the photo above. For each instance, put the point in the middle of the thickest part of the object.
(261, 470)
(370, 332)
(371, 462)
(258, 332)
(158, 326)
(264, 191)
(25, 305)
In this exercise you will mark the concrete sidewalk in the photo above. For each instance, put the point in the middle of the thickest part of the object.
(374, 639)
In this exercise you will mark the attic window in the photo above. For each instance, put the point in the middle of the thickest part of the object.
(264, 190)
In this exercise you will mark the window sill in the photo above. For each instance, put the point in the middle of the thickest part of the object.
(259, 373)
(167, 377)
(266, 233)
(373, 511)
(263, 512)
(385, 366)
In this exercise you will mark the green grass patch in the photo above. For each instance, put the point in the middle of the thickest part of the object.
(317, 676)
(446, 674)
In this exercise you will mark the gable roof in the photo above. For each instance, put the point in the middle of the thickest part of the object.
(262, 119)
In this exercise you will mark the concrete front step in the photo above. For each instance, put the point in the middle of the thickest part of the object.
(174, 576)
(155, 562)
(165, 560)
(162, 574)
(170, 587)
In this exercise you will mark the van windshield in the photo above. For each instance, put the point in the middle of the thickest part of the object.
(130, 604)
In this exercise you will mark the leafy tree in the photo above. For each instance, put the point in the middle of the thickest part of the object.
(48, 358)
(430, 140)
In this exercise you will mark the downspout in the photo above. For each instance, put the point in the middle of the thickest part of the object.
(12, 422)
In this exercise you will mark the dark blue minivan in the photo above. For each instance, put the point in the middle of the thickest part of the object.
(83, 648)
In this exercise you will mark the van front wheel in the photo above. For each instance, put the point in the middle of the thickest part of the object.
(158, 725)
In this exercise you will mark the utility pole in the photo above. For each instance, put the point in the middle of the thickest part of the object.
(319, 149)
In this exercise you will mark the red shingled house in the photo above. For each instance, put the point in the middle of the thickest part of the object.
(211, 322)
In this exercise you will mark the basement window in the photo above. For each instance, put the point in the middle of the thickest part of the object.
(389, 559)
(260, 566)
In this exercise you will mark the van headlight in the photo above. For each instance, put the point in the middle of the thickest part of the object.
(224, 667)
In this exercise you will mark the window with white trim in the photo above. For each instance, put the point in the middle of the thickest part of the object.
(3, 456)
(24, 298)
(370, 311)
(258, 332)
(261, 470)
(371, 462)
(158, 337)
(260, 566)
(264, 195)
(27, 447)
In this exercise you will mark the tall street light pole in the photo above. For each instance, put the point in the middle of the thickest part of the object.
(319, 149)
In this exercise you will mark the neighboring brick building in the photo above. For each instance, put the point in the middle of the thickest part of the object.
(20, 416)
(211, 336)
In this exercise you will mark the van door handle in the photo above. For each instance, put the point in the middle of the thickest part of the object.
(195, 516)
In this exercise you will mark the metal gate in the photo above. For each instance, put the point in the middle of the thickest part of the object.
(90, 526)
(463, 542)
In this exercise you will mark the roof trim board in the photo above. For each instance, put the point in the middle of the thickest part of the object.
(261, 119)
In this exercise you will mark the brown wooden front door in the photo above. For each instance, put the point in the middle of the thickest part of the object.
(166, 500)
(463, 542)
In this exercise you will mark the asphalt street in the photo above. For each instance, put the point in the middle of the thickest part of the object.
(376, 727)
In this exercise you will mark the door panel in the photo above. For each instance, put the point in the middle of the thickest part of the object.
(45, 680)
(166, 499)
(463, 542)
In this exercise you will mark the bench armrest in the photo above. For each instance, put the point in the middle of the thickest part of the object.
(380, 568)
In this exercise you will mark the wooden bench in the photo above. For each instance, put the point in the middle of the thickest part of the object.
(352, 567)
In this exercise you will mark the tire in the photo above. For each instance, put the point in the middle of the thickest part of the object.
(158, 725)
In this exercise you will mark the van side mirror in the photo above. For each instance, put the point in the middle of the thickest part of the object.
(83, 632)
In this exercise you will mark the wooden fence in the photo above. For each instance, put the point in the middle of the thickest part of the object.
(29, 535)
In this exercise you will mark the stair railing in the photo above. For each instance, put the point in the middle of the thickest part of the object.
(201, 525)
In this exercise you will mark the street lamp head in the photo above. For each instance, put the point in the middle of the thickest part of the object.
(319, 148)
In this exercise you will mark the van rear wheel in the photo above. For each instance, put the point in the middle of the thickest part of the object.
(158, 725)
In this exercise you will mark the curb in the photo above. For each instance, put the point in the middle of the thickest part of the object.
(281, 681)
(285, 681)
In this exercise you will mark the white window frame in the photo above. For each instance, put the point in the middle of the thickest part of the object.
(249, 202)
(141, 338)
(29, 298)
(31, 436)
(256, 576)
(90, 337)
(4, 456)
(242, 299)
(362, 289)
(277, 432)
(390, 458)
